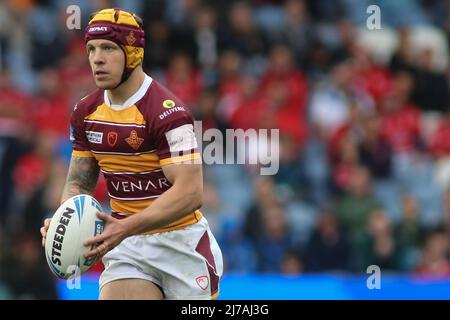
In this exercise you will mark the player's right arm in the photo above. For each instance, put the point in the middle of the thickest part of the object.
(82, 178)
(83, 170)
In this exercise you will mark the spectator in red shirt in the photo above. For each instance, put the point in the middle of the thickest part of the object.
(440, 140)
(282, 70)
(245, 108)
(229, 68)
(183, 79)
(12, 106)
(285, 91)
(374, 79)
(400, 123)
(51, 107)
(75, 76)
(13, 131)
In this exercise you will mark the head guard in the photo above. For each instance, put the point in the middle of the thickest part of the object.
(125, 29)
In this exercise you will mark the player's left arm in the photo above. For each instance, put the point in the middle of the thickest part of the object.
(182, 198)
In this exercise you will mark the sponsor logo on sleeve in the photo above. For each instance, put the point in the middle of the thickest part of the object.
(168, 104)
(181, 138)
(94, 137)
(171, 108)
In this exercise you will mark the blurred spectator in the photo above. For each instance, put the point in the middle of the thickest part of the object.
(26, 271)
(74, 74)
(153, 10)
(328, 248)
(51, 102)
(181, 13)
(285, 91)
(431, 87)
(184, 79)
(329, 108)
(315, 165)
(346, 163)
(265, 196)
(375, 80)
(289, 176)
(31, 180)
(400, 123)
(273, 240)
(291, 263)
(229, 70)
(158, 46)
(206, 40)
(206, 111)
(354, 207)
(439, 145)
(409, 233)
(378, 245)
(326, 11)
(320, 61)
(296, 31)
(402, 59)
(376, 154)
(46, 44)
(434, 261)
(374, 151)
(243, 35)
(445, 222)
(5, 21)
(13, 104)
(238, 251)
(244, 108)
(439, 142)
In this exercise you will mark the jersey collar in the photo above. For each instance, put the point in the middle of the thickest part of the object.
(131, 100)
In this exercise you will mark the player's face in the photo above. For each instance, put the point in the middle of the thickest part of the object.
(107, 62)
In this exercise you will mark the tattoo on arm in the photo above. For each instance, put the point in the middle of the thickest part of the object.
(81, 178)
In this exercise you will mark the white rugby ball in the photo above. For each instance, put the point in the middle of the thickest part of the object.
(74, 222)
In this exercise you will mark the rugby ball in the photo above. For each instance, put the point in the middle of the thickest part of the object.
(74, 222)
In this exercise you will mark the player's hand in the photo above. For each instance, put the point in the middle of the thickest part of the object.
(113, 234)
(44, 230)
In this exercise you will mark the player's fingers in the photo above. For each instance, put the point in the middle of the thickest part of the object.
(103, 216)
(99, 250)
(47, 223)
(94, 240)
(43, 236)
(43, 232)
(103, 248)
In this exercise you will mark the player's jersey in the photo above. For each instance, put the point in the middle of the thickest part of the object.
(132, 142)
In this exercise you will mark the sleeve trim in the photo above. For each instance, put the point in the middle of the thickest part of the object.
(82, 154)
(187, 157)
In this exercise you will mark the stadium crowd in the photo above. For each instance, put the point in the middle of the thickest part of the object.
(363, 114)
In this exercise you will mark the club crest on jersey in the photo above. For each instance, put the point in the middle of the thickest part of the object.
(168, 104)
(112, 138)
(202, 282)
(133, 140)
